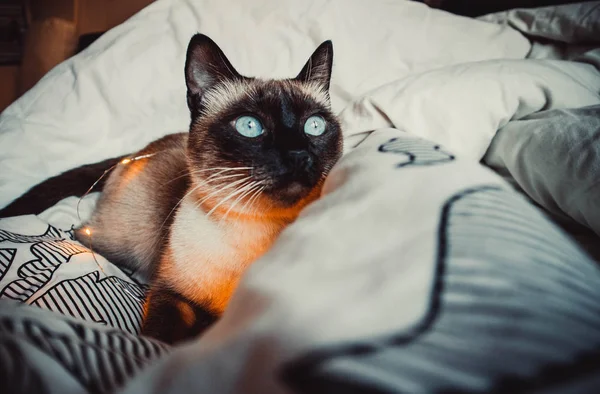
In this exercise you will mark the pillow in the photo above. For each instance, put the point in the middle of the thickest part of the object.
(462, 106)
(44, 266)
(44, 352)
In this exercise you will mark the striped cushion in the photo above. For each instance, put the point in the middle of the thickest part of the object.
(44, 352)
(44, 266)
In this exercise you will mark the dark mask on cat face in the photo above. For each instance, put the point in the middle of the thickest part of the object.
(248, 134)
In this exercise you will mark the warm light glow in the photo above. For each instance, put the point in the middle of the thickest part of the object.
(125, 161)
(87, 231)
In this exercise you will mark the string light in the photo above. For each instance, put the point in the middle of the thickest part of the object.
(127, 160)
(88, 231)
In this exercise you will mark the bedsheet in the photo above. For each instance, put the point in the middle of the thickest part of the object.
(418, 270)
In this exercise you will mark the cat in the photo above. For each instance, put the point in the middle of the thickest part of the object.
(193, 210)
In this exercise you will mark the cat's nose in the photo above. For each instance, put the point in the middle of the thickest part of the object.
(300, 159)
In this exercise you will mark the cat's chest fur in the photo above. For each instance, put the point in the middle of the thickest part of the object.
(206, 256)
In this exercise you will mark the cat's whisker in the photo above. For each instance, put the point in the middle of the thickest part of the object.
(255, 186)
(195, 172)
(201, 184)
(230, 196)
(243, 210)
(244, 185)
(224, 168)
(237, 200)
(198, 204)
(208, 181)
(215, 174)
(219, 176)
(253, 198)
(219, 168)
(252, 205)
(232, 184)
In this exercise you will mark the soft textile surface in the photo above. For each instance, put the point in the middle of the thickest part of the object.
(550, 28)
(43, 266)
(414, 247)
(470, 289)
(43, 352)
(463, 106)
(128, 89)
(554, 157)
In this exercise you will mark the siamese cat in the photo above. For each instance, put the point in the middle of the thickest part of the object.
(195, 209)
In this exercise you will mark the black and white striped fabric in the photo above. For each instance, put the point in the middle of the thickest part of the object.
(44, 352)
(111, 300)
(81, 334)
(7, 256)
(44, 266)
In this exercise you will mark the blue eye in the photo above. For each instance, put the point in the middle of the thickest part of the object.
(249, 126)
(315, 125)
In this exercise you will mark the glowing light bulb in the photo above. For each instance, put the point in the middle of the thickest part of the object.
(125, 161)
(87, 231)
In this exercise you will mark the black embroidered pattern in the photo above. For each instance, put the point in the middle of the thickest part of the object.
(50, 250)
(7, 255)
(416, 152)
(112, 301)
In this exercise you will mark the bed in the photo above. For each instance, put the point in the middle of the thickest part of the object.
(454, 249)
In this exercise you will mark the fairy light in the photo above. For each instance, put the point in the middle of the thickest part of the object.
(88, 231)
(125, 161)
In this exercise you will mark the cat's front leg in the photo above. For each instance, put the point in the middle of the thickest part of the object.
(171, 318)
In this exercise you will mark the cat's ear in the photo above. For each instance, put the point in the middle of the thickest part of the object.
(205, 66)
(318, 67)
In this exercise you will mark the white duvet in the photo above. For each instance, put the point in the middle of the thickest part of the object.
(421, 95)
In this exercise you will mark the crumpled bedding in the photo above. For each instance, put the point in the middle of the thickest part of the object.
(419, 269)
(552, 156)
(128, 89)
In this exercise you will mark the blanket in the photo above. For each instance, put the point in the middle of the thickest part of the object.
(418, 270)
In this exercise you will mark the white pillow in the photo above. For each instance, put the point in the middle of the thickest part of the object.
(462, 106)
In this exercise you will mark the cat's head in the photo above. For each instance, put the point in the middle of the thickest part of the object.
(259, 145)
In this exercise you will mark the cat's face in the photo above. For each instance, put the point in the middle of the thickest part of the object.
(264, 144)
